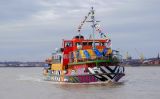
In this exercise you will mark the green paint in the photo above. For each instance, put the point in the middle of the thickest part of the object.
(87, 62)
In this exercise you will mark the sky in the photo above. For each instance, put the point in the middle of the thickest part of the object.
(31, 29)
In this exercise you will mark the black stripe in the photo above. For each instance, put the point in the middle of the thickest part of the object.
(103, 70)
(123, 69)
(118, 70)
(102, 78)
(96, 72)
(115, 68)
(70, 79)
(107, 67)
(114, 76)
(116, 73)
(105, 77)
(106, 73)
(76, 79)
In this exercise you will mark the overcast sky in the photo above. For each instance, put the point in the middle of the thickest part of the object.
(31, 29)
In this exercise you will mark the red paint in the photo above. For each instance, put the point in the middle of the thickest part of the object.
(71, 45)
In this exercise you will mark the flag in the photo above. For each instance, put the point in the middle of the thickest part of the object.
(108, 43)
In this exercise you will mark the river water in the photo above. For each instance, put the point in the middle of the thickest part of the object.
(27, 83)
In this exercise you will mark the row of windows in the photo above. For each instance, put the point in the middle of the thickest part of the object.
(56, 58)
(69, 44)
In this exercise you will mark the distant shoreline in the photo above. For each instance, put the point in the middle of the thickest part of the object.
(19, 66)
(125, 66)
(143, 65)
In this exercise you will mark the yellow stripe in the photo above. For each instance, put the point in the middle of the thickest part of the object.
(109, 51)
(91, 53)
(82, 54)
(56, 67)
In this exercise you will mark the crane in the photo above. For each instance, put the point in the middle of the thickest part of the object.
(127, 56)
(141, 56)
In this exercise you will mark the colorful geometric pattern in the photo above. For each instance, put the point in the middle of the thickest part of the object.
(100, 73)
(104, 73)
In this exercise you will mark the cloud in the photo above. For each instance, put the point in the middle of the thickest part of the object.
(31, 29)
(137, 26)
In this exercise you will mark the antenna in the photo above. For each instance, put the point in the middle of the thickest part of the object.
(93, 2)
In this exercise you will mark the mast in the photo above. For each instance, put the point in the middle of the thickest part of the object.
(93, 24)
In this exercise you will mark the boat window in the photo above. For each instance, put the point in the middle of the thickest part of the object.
(79, 37)
(90, 43)
(68, 44)
(84, 43)
(57, 58)
(102, 43)
(78, 43)
(106, 44)
(96, 43)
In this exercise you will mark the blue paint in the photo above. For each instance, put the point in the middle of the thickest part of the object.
(86, 54)
(98, 54)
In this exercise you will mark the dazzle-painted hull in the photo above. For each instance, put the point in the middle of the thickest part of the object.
(96, 74)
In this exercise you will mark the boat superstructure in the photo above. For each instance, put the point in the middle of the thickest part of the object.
(85, 60)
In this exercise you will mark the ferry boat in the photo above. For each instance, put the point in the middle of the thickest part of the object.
(85, 60)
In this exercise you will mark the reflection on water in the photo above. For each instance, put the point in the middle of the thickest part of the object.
(28, 83)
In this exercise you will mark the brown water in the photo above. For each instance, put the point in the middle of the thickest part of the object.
(27, 83)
